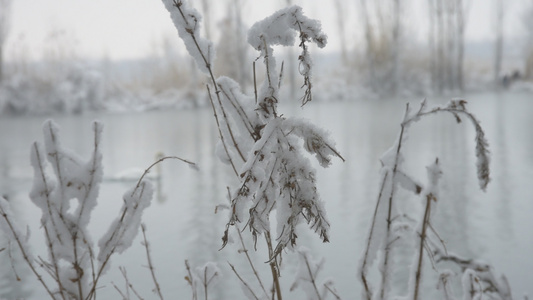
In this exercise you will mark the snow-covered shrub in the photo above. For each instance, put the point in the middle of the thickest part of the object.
(73, 90)
(66, 196)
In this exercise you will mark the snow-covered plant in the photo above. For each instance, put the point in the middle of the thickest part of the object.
(66, 197)
(202, 278)
(263, 147)
(386, 225)
(478, 278)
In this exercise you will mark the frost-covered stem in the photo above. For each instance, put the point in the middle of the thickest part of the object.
(178, 4)
(333, 292)
(191, 164)
(25, 254)
(273, 266)
(311, 276)
(190, 280)
(128, 283)
(54, 260)
(307, 97)
(11, 260)
(240, 111)
(388, 244)
(206, 283)
(205, 279)
(255, 82)
(230, 130)
(76, 266)
(150, 264)
(55, 155)
(92, 292)
(223, 141)
(456, 108)
(124, 296)
(52, 220)
(245, 250)
(425, 224)
(89, 188)
(366, 286)
(47, 195)
(266, 56)
(244, 282)
(93, 273)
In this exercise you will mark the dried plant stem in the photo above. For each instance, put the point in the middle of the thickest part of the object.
(190, 280)
(119, 226)
(312, 277)
(425, 224)
(255, 82)
(150, 264)
(128, 284)
(243, 282)
(223, 141)
(239, 109)
(76, 265)
(273, 266)
(25, 254)
(178, 5)
(366, 286)
(124, 297)
(54, 260)
(206, 281)
(386, 261)
(334, 293)
(157, 162)
(245, 250)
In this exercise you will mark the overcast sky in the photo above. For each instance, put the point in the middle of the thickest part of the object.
(125, 29)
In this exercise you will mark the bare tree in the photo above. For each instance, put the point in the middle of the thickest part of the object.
(382, 29)
(5, 12)
(498, 47)
(395, 46)
(527, 21)
(431, 43)
(341, 26)
(463, 7)
(450, 44)
(369, 37)
(232, 46)
(447, 23)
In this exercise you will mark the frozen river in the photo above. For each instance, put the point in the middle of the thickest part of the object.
(495, 226)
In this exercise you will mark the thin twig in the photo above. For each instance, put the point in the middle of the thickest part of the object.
(128, 283)
(256, 274)
(25, 254)
(222, 139)
(193, 165)
(425, 222)
(311, 276)
(366, 285)
(274, 268)
(150, 264)
(243, 282)
(190, 280)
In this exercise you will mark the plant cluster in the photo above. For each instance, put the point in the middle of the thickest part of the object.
(266, 151)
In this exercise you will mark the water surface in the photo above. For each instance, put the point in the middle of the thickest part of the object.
(494, 226)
